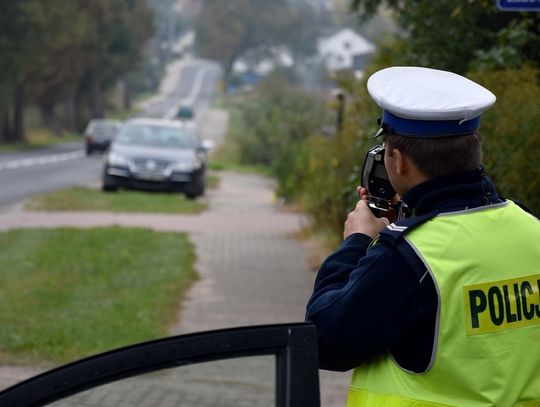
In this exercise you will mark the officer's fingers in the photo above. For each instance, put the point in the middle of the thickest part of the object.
(384, 221)
(362, 205)
(362, 192)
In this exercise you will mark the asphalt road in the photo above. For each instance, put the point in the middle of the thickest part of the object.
(24, 174)
(27, 173)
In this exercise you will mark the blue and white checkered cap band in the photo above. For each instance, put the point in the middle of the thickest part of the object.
(429, 128)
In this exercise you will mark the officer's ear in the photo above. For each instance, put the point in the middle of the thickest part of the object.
(402, 162)
(407, 168)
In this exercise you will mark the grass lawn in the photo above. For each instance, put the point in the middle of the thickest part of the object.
(68, 293)
(88, 199)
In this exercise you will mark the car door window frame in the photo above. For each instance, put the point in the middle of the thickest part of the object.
(294, 345)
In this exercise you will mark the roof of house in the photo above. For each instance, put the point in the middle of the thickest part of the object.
(345, 40)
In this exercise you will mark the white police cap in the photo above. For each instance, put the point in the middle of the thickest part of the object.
(424, 102)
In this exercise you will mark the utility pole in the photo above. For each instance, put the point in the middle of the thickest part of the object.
(340, 110)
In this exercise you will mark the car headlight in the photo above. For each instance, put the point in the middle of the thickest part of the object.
(182, 166)
(117, 160)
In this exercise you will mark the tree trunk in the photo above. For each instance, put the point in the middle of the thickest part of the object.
(18, 133)
(79, 110)
(97, 103)
(50, 119)
(68, 118)
(127, 93)
(4, 124)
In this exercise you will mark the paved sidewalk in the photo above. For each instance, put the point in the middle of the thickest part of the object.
(256, 272)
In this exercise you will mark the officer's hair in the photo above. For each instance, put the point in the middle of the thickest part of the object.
(436, 157)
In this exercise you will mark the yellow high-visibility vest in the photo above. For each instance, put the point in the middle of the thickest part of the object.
(485, 263)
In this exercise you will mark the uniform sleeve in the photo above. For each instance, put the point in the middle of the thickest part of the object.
(363, 302)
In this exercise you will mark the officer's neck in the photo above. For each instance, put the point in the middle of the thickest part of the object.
(449, 193)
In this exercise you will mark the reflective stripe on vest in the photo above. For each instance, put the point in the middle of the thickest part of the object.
(486, 350)
(359, 397)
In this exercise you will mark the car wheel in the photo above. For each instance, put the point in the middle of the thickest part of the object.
(196, 188)
(108, 184)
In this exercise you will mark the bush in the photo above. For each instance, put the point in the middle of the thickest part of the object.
(511, 133)
(281, 127)
(274, 124)
(332, 174)
(334, 167)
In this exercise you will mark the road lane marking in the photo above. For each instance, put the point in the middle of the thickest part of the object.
(46, 159)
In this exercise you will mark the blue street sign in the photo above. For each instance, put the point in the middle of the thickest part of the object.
(518, 5)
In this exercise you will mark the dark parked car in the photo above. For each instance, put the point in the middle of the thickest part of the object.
(99, 134)
(157, 154)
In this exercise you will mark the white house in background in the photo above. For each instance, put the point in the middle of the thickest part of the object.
(345, 50)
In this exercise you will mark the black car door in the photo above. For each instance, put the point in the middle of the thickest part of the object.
(134, 375)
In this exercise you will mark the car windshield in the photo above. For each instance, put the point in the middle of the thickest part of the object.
(157, 136)
(185, 112)
(104, 129)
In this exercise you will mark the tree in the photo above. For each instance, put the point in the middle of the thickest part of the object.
(57, 59)
(15, 23)
(452, 34)
(115, 46)
(303, 30)
(60, 50)
(225, 30)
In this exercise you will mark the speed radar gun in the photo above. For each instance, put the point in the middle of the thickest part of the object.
(375, 180)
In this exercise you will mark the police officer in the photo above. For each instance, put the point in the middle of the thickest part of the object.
(442, 306)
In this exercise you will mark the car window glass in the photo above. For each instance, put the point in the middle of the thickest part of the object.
(104, 129)
(248, 381)
(157, 136)
(185, 113)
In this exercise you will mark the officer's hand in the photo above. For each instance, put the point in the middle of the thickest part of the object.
(363, 194)
(362, 220)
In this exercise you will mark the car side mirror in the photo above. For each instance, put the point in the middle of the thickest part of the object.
(207, 145)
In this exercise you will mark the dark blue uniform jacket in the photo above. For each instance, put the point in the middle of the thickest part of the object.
(367, 302)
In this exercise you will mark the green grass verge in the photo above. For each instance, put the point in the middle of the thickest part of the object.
(69, 293)
(88, 199)
(39, 140)
(226, 165)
